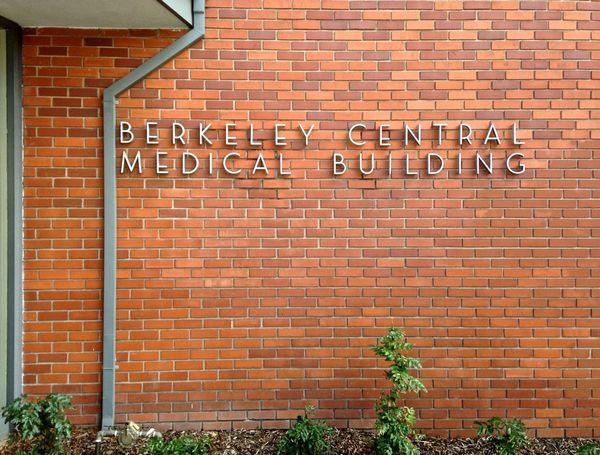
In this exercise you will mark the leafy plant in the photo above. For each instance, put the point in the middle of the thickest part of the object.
(42, 423)
(182, 445)
(306, 437)
(394, 427)
(589, 449)
(509, 435)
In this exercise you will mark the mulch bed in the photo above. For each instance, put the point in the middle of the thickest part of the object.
(345, 442)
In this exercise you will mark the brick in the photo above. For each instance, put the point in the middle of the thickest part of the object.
(244, 296)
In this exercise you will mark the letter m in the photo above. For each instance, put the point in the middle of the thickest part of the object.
(137, 160)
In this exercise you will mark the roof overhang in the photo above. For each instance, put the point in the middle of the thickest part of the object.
(99, 13)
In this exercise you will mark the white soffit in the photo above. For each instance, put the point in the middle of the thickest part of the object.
(98, 13)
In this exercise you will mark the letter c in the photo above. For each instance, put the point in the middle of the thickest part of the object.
(229, 155)
(351, 130)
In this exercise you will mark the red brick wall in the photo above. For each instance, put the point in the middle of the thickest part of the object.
(243, 298)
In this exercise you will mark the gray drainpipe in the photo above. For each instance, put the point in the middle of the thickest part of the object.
(110, 203)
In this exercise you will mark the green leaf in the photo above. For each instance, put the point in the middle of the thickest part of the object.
(591, 448)
(509, 435)
(306, 437)
(182, 445)
(394, 427)
(43, 423)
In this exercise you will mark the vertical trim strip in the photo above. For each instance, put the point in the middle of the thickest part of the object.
(15, 210)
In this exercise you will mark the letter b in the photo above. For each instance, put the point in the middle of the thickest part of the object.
(339, 167)
(125, 134)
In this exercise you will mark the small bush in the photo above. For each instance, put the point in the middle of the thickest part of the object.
(509, 435)
(43, 424)
(589, 449)
(306, 437)
(394, 427)
(182, 445)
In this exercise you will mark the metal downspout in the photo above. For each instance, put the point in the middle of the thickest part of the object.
(110, 203)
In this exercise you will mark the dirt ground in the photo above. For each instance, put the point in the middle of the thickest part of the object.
(345, 442)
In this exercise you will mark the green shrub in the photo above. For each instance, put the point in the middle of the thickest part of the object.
(509, 435)
(589, 449)
(182, 445)
(394, 427)
(43, 424)
(306, 437)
